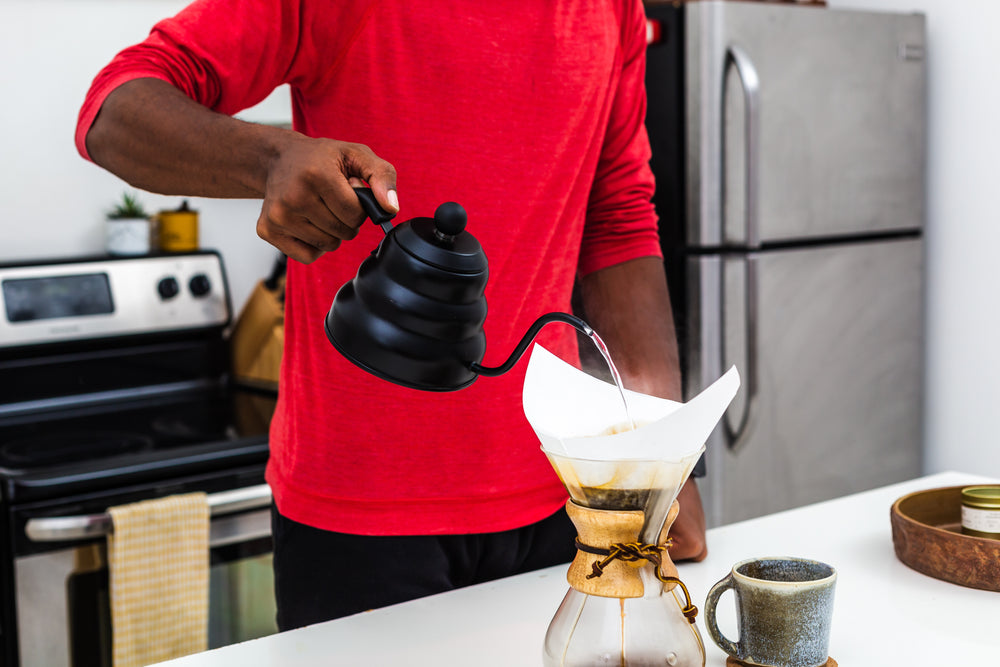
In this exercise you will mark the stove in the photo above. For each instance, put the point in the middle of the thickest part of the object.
(116, 388)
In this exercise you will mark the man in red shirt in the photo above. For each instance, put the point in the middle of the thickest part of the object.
(528, 114)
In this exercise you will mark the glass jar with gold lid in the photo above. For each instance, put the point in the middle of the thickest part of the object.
(981, 511)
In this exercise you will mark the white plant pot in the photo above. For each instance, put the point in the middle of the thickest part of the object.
(128, 236)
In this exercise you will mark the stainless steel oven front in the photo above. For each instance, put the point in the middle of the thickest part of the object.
(62, 591)
(117, 389)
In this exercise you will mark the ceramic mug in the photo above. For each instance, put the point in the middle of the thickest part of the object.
(784, 608)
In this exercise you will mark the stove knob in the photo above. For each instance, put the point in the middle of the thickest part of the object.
(200, 285)
(168, 288)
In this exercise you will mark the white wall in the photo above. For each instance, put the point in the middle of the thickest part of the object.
(963, 327)
(53, 202)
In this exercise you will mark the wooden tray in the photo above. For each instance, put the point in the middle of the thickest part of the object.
(926, 532)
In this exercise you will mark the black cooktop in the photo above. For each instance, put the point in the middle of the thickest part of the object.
(85, 447)
(131, 389)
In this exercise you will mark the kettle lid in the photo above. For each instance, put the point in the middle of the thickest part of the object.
(442, 241)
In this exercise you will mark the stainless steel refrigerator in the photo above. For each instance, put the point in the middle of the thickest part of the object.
(789, 149)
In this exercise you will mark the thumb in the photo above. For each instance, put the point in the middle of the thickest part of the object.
(386, 195)
(379, 174)
(382, 181)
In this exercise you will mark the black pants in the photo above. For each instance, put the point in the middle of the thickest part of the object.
(321, 575)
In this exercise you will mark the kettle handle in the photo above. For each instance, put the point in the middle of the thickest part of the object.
(566, 318)
(379, 215)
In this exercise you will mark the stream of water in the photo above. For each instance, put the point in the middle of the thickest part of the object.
(603, 349)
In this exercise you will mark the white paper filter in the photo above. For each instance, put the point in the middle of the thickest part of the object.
(567, 407)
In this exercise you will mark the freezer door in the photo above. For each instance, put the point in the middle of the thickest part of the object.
(829, 344)
(803, 122)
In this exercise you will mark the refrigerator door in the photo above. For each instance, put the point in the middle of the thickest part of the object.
(828, 340)
(803, 123)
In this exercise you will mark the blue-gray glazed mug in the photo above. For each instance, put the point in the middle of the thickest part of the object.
(784, 608)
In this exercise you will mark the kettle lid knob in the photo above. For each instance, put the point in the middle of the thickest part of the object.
(450, 219)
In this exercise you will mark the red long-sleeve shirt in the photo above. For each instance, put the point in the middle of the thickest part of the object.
(529, 114)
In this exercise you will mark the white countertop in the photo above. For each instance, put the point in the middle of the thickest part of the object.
(885, 614)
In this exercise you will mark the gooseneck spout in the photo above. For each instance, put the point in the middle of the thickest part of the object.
(566, 318)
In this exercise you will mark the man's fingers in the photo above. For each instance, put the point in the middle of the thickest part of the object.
(310, 219)
(297, 236)
(338, 197)
(297, 250)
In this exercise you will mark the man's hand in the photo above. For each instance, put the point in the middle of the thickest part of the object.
(688, 530)
(156, 138)
(309, 203)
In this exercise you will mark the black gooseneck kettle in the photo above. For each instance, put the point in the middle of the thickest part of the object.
(414, 313)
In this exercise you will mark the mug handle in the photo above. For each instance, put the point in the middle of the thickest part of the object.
(727, 645)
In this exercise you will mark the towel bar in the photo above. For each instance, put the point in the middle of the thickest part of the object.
(60, 528)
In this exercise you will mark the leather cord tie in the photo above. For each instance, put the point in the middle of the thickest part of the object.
(631, 552)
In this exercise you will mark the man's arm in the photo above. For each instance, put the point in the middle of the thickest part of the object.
(156, 138)
(628, 305)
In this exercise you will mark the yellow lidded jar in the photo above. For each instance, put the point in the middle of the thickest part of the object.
(981, 511)
(178, 229)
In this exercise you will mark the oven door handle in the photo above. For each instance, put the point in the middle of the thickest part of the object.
(62, 528)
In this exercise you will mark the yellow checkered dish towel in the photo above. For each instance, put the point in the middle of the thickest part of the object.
(158, 563)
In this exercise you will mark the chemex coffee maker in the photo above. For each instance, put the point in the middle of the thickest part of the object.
(414, 313)
(626, 604)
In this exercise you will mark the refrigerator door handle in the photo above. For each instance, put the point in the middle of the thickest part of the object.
(736, 437)
(750, 83)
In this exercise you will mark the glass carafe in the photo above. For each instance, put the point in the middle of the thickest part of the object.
(625, 606)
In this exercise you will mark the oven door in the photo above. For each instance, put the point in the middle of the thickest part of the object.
(63, 599)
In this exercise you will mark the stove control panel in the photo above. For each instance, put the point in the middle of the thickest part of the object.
(49, 302)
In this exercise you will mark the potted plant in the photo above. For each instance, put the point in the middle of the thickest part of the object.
(128, 227)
